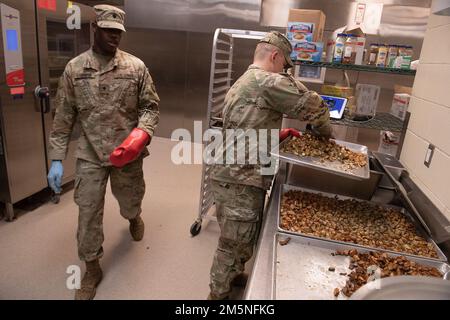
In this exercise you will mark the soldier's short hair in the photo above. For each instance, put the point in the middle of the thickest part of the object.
(264, 49)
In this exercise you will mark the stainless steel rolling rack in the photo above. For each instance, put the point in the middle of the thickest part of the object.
(219, 83)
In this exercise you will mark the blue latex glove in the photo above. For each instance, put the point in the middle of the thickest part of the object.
(54, 176)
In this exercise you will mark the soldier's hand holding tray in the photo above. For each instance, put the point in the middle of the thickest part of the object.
(322, 131)
(130, 148)
(288, 132)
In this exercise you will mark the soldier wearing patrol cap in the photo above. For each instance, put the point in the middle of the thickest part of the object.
(109, 17)
(112, 95)
(257, 100)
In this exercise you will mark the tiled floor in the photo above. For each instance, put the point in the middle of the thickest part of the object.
(38, 247)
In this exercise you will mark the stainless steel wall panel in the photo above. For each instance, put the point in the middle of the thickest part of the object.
(179, 63)
(164, 53)
(404, 21)
(192, 15)
(275, 12)
(242, 56)
(197, 79)
(174, 39)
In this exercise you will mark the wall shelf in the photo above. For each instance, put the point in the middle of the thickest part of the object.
(354, 67)
(381, 121)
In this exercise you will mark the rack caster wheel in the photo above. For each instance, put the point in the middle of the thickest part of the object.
(195, 228)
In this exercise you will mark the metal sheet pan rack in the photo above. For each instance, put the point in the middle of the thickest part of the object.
(221, 77)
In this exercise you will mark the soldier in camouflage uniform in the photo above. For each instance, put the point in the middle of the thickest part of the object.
(111, 94)
(257, 100)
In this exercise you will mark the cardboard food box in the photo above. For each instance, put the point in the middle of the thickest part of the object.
(307, 51)
(330, 90)
(300, 31)
(400, 104)
(315, 17)
(360, 44)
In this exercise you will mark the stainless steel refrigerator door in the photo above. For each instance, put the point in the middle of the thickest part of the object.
(61, 38)
(23, 140)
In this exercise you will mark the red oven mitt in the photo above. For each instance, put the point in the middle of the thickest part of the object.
(130, 148)
(284, 133)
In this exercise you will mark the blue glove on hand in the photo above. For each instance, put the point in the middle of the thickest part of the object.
(54, 176)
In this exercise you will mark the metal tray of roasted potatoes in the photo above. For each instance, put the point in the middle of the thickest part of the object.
(349, 159)
(362, 223)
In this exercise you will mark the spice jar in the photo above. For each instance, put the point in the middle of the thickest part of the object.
(382, 55)
(373, 53)
(349, 50)
(399, 59)
(330, 50)
(392, 54)
(409, 51)
(339, 47)
(402, 51)
(407, 58)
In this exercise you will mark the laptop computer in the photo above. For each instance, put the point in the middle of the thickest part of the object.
(336, 105)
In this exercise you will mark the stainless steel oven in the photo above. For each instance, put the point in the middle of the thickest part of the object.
(38, 38)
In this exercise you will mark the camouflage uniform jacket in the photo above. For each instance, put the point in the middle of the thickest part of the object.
(108, 103)
(258, 100)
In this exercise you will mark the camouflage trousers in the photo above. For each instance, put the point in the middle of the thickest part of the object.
(239, 210)
(127, 186)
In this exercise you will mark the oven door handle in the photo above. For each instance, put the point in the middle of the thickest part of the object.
(43, 93)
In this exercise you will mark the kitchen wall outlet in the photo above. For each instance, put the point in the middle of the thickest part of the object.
(429, 155)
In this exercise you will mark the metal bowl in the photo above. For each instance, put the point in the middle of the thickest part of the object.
(405, 288)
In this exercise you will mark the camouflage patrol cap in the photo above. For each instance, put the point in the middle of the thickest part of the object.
(280, 41)
(109, 17)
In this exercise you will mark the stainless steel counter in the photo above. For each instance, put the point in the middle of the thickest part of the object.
(260, 282)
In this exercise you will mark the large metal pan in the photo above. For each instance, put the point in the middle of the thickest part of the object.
(419, 229)
(334, 167)
(301, 268)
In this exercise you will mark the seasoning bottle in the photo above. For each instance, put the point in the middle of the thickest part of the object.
(401, 50)
(392, 54)
(373, 54)
(407, 58)
(339, 48)
(409, 51)
(382, 55)
(330, 50)
(401, 53)
(349, 50)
